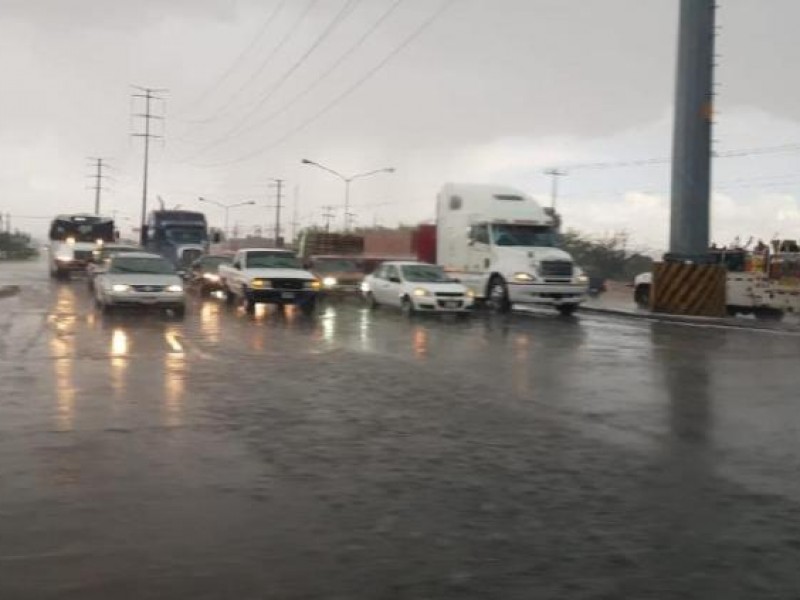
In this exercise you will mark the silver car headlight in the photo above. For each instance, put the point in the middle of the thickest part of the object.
(175, 288)
(120, 287)
(329, 281)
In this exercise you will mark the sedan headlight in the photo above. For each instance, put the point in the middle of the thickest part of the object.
(313, 284)
(329, 281)
(421, 292)
(365, 286)
(524, 277)
(175, 288)
(469, 293)
(260, 284)
(211, 277)
(120, 287)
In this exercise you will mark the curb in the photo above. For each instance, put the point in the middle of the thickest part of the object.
(731, 323)
(6, 291)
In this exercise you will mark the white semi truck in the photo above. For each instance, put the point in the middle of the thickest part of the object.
(504, 246)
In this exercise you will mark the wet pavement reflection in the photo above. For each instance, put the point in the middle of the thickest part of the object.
(360, 454)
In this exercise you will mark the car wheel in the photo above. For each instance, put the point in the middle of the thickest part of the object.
(567, 310)
(407, 306)
(497, 297)
(369, 298)
(641, 295)
(249, 306)
(230, 297)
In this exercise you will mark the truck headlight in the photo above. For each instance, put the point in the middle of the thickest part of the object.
(421, 292)
(364, 287)
(120, 287)
(524, 277)
(260, 284)
(314, 284)
(175, 288)
(329, 281)
(582, 278)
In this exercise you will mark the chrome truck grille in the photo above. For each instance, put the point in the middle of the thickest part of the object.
(556, 270)
(189, 255)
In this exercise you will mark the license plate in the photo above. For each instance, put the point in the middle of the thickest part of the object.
(287, 295)
(451, 304)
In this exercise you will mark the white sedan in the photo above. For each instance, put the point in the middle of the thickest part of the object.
(140, 279)
(416, 287)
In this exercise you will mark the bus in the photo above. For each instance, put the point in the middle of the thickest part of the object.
(73, 239)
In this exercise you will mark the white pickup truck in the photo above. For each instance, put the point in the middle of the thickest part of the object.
(271, 276)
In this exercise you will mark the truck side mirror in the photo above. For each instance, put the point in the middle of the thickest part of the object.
(216, 237)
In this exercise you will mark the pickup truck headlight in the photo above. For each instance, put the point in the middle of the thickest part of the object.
(120, 287)
(175, 288)
(329, 281)
(260, 284)
(524, 277)
(421, 292)
(314, 284)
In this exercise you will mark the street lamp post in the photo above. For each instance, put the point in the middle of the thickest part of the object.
(347, 180)
(226, 208)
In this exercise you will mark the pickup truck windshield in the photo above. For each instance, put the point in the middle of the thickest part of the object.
(424, 273)
(134, 264)
(524, 235)
(271, 260)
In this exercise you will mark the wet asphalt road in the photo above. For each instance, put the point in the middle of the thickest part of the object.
(360, 455)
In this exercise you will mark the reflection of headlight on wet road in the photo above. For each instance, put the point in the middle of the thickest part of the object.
(329, 281)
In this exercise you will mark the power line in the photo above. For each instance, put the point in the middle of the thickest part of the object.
(347, 92)
(263, 65)
(247, 50)
(242, 124)
(331, 69)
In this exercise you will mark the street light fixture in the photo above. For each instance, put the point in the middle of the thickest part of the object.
(347, 181)
(226, 208)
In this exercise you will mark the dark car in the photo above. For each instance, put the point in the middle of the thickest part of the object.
(202, 274)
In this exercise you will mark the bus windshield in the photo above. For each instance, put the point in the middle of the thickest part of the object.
(524, 235)
(82, 228)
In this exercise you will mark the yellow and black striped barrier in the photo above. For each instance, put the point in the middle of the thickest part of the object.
(688, 289)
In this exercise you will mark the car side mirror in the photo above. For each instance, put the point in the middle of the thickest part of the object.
(394, 279)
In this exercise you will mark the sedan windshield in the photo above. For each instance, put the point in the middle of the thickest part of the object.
(524, 235)
(272, 260)
(424, 273)
(335, 265)
(136, 264)
(212, 263)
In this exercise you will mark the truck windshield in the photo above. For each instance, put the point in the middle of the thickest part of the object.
(524, 235)
(272, 260)
(186, 235)
(136, 264)
(424, 273)
(335, 265)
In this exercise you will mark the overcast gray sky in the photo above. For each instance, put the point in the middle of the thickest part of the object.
(490, 91)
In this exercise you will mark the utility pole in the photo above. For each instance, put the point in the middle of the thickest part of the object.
(328, 215)
(98, 181)
(295, 222)
(148, 95)
(691, 144)
(278, 185)
(555, 174)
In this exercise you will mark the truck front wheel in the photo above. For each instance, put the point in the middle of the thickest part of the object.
(641, 295)
(308, 307)
(567, 310)
(497, 296)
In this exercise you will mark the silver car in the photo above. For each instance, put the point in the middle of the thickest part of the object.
(140, 279)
